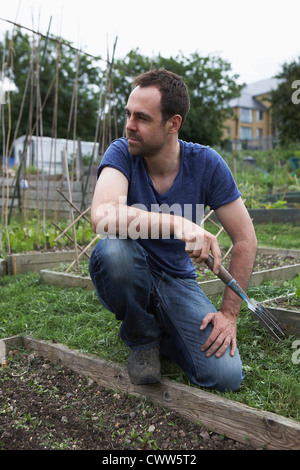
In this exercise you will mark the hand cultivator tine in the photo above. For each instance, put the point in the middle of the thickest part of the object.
(267, 320)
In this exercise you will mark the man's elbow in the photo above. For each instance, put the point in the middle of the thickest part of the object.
(104, 219)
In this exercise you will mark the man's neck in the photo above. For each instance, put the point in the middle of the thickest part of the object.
(166, 162)
(164, 168)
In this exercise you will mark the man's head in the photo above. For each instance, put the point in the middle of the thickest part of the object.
(174, 94)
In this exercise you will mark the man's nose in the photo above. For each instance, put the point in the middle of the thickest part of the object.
(130, 123)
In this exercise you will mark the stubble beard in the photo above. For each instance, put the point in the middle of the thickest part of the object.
(143, 149)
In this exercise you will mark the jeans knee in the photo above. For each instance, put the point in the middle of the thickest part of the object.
(222, 374)
(232, 381)
(118, 257)
(119, 265)
(106, 253)
(230, 376)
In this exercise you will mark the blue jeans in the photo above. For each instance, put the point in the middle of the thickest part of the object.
(160, 311)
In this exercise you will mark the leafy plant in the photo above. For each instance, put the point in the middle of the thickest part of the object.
(30, 235)
(296, 283)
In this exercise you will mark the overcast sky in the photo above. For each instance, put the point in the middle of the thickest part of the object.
(255, 36)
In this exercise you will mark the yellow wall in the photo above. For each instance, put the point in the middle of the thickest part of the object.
(265, 124)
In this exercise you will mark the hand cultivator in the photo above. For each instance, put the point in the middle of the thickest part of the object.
(264, 316)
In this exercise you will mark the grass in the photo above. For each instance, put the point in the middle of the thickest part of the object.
(75, 318)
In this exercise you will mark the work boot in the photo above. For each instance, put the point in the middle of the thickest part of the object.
(144, 366)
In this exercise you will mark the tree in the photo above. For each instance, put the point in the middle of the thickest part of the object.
(286, 105)
(210, 86)
(50, 75)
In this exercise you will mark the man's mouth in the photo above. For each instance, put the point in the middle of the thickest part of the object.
(132, 138)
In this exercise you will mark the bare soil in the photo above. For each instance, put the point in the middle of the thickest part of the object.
(291, 302)
(263, 262)
(45, 406)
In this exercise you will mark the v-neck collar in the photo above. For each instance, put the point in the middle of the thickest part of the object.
(165, 194)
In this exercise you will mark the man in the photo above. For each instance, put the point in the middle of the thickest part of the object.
(142, 267)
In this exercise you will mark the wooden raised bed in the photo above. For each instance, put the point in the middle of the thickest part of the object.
(289, 317)
(276, 216)
(2, 267)
(235, 420)
(213, 287)
(33, 262)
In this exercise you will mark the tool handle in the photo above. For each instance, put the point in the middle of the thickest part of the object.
(223, 274)
(226, 277)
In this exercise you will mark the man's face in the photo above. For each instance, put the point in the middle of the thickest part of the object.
(145, 134)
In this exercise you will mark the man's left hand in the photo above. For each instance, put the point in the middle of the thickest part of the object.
(222, 336)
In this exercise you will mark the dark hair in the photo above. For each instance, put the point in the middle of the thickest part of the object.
(174, 93)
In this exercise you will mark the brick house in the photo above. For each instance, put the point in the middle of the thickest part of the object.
(251, 122)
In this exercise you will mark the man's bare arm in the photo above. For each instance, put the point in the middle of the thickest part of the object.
(235, 219)
(111, 215)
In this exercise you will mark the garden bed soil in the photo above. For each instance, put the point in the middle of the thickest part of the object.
(263, 262)
(286, 309)
(286, 302)
(46, 406)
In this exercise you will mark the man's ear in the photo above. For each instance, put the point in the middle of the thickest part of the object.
(175, 123)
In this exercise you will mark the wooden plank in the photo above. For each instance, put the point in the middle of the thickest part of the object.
(283, 273)
(15, 341)
(235, 420)
(34, 262)
(210, 288)
(3, 267)
(290, 319)
(265, 216)
(279, 252)
(65, 279)
(279, 274)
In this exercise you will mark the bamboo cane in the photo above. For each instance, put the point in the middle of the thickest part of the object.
(72, 224)
(82, 253)
(71, 210)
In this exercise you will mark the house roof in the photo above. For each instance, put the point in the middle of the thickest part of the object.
(261, 87)
(249, 92)
(246, 101)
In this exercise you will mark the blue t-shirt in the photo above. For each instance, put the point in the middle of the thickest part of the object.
(204, 179)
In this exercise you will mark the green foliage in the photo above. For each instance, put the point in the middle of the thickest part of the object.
(296, 284)
(23, 57)
(209, 79)
(278, 235)
(285, 112)
(264, 184)
(210, 82)
(30, 235)
(75, 318)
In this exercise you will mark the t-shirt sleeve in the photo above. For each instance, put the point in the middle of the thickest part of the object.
(222, 187)
(116, 156)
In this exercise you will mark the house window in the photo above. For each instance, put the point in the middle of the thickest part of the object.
(259, 133)
(246, 115)
(259, 115)
(246, 133)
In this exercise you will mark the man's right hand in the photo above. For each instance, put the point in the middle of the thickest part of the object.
(198, 242)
